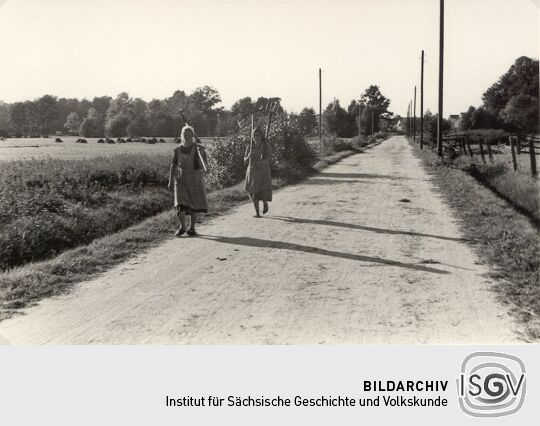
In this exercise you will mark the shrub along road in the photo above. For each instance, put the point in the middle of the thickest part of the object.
(364, 252)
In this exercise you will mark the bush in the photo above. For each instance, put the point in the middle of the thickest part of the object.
(290, 151)
(332, 144)
(493, 136)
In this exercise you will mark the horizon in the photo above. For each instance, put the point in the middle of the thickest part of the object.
(138, 49)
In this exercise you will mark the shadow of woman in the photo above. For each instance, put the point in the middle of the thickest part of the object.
(361, 227)
(256, 242)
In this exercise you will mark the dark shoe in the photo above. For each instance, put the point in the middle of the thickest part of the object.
(265, 208)
(181, 231)
(192, 232)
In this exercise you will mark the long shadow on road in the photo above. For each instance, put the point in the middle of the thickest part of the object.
(361, 227)
(256, 242)
(361, 175)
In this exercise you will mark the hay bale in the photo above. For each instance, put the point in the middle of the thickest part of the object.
(83, 141)
(120, 140)
(58, 140)
(161, 140)
(129, 140)
(100, 141)
(109, 140)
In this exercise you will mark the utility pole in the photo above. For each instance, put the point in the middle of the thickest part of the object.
(372, 128)
(422, 103)
(414, 117)
(320, 106)
(409, 120)
(360, 110)
(441, 67)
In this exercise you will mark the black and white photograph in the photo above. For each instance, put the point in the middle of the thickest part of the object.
(269, 173)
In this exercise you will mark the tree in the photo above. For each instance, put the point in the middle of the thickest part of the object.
(520, 81)
(466, 119)
(33, 119)
(521, 112)
(124, 111)
(101, 104)
(47, 112)
(482, 119)
(17, 118)
(375, 104)
(242, 107)
(335, 118)
(372, 97)
(117, 126)
(200, 110)
(73, 123)
(307, 121)
(92, 126)
(4, 119)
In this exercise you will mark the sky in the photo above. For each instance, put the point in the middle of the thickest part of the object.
(150, 48)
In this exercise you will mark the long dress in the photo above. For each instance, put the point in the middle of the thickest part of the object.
(189, 186)
(258, 177)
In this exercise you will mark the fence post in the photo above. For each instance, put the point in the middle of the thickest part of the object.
(490, 153)
(532, 154)
(469, 145)
(482, 154)
(518, 145)
(513, 149)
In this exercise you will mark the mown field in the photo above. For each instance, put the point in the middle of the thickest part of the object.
(27, 148)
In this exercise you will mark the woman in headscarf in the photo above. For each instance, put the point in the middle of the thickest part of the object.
(258, 177)
(186, 180)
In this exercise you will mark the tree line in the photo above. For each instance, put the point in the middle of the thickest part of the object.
(511, 103)
(134, 117)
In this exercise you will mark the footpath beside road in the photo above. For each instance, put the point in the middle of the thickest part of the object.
(365, 252)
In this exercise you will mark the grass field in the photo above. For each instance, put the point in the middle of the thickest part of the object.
(26, 148)
(518, 188)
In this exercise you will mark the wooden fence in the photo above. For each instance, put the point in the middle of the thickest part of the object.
(472, 144)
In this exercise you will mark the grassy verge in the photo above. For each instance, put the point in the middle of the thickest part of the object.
(500, 234)
(517, 188)
(32, 282)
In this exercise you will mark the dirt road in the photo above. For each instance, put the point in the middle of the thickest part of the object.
(365, 252)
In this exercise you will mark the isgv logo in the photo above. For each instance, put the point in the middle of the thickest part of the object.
(491, 384)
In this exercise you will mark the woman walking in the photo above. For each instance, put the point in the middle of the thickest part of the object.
(186, 180)
(258, 178)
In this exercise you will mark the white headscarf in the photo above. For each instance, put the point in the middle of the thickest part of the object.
(187, 127)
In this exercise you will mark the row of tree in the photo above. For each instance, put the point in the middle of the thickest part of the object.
(126, 116)
(511, 103)
(111, 117)
(366, 114)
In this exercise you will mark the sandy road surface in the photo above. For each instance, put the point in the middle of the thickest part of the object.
(339, 259)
